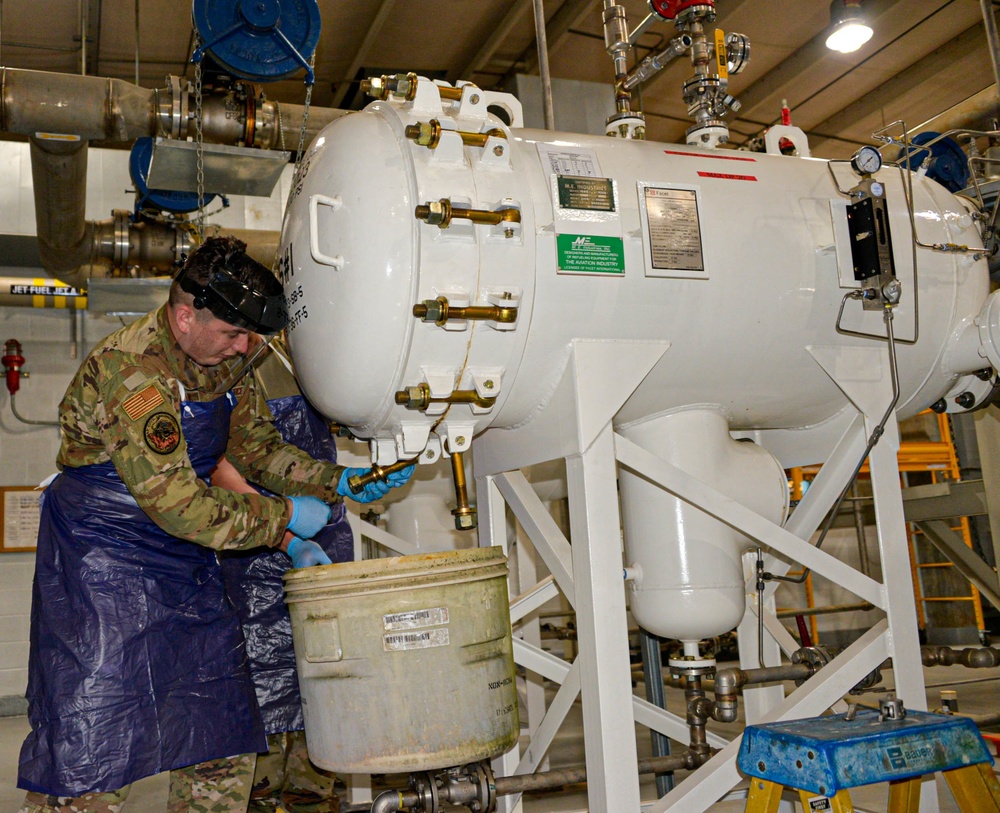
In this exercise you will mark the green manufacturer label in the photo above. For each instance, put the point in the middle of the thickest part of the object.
(590, 254)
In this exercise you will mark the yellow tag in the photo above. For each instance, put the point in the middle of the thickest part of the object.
(721, 54)
(142, 403)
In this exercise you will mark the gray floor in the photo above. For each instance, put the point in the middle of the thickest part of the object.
(974, 698)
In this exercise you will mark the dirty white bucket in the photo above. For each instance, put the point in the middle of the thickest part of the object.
(405, 664)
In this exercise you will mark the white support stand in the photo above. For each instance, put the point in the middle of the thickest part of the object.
(599, 378)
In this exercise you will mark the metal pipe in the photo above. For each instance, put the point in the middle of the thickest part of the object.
(571, 776)
(13, 409)
(84, 7)
(543, 64)
(654, 63)
(859, 529)
(992, 39)
(971, 657)
(466, 516)
(827, 610)
(652, 674)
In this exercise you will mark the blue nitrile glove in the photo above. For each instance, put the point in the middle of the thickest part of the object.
(306, 553)
(401, 478)
(370, 493)
(309, 516)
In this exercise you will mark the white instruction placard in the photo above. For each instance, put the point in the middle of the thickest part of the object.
(21, 512)
(569, 160)
(671, 232)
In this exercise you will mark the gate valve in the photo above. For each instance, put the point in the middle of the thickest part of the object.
(12, 362)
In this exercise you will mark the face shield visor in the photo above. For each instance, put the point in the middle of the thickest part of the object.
(263, 313)
(238, 304)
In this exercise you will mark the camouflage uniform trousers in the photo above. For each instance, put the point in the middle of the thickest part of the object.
(285, 779)
(217, 786)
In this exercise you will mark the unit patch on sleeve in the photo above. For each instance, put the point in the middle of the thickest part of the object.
(162, 433)
(142, 403)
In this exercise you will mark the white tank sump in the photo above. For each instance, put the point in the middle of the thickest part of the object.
(740, 261)
(419, 647)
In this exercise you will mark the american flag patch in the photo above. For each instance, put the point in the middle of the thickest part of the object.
(142, 403)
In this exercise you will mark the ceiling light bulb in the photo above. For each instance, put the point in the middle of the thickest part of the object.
(849, 36)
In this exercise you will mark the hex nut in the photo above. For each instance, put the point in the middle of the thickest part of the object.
(435, 214)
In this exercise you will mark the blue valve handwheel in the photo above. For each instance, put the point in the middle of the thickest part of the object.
(259, 40)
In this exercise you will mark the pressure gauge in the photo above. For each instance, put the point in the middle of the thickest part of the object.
(866, 161)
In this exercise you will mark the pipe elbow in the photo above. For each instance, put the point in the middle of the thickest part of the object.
(388, 802)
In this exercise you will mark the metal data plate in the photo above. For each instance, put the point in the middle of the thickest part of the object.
(228, 170)
(125, 296)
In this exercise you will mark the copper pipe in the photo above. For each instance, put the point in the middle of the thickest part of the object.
(428, 134)
(419, 397)
(439, 311)
(377, 474)
(440, 213)
(466, 517)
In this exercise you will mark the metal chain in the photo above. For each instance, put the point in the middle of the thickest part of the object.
(305, 118)
(281, 126)
(199, 138)
(298, 156)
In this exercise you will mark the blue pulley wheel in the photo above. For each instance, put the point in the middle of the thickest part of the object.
(259, 40)
(949, 165)
(165, 200)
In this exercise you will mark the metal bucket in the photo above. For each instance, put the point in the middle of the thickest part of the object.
(405, 664)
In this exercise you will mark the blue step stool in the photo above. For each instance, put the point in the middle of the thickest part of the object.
(822, 757)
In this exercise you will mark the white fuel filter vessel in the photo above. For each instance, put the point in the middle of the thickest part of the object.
(739, 260)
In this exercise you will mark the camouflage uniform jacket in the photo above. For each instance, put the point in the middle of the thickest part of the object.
(124, 406)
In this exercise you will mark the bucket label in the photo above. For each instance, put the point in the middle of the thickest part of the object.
(416, 619)
(426, 639)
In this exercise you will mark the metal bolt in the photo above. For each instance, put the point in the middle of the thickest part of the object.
(435, 216)
(474, 98)
(498, 150)
(460, 440)
(508, 231)
(488, 384)
(429, 454)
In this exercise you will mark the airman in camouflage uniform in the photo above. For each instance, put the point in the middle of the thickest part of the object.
(137, 662)
(199, 788)
(140, 371)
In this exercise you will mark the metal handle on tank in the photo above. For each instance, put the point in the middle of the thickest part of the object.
(314, 202)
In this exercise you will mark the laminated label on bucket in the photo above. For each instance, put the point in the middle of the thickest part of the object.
(405, 664)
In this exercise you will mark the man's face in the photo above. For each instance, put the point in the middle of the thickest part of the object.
(210, 341)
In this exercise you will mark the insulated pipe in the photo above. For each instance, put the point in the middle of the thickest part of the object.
(59, 178)
(61, 113)
(89, 107)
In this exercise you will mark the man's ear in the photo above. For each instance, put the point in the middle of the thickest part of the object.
(184, 316)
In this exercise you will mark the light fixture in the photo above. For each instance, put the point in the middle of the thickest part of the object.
(850, 30)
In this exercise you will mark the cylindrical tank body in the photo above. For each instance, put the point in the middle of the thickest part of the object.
(405, 664)
(739, 260)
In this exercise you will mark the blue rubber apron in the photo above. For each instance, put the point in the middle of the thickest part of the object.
(137, 662)
(254, 584)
